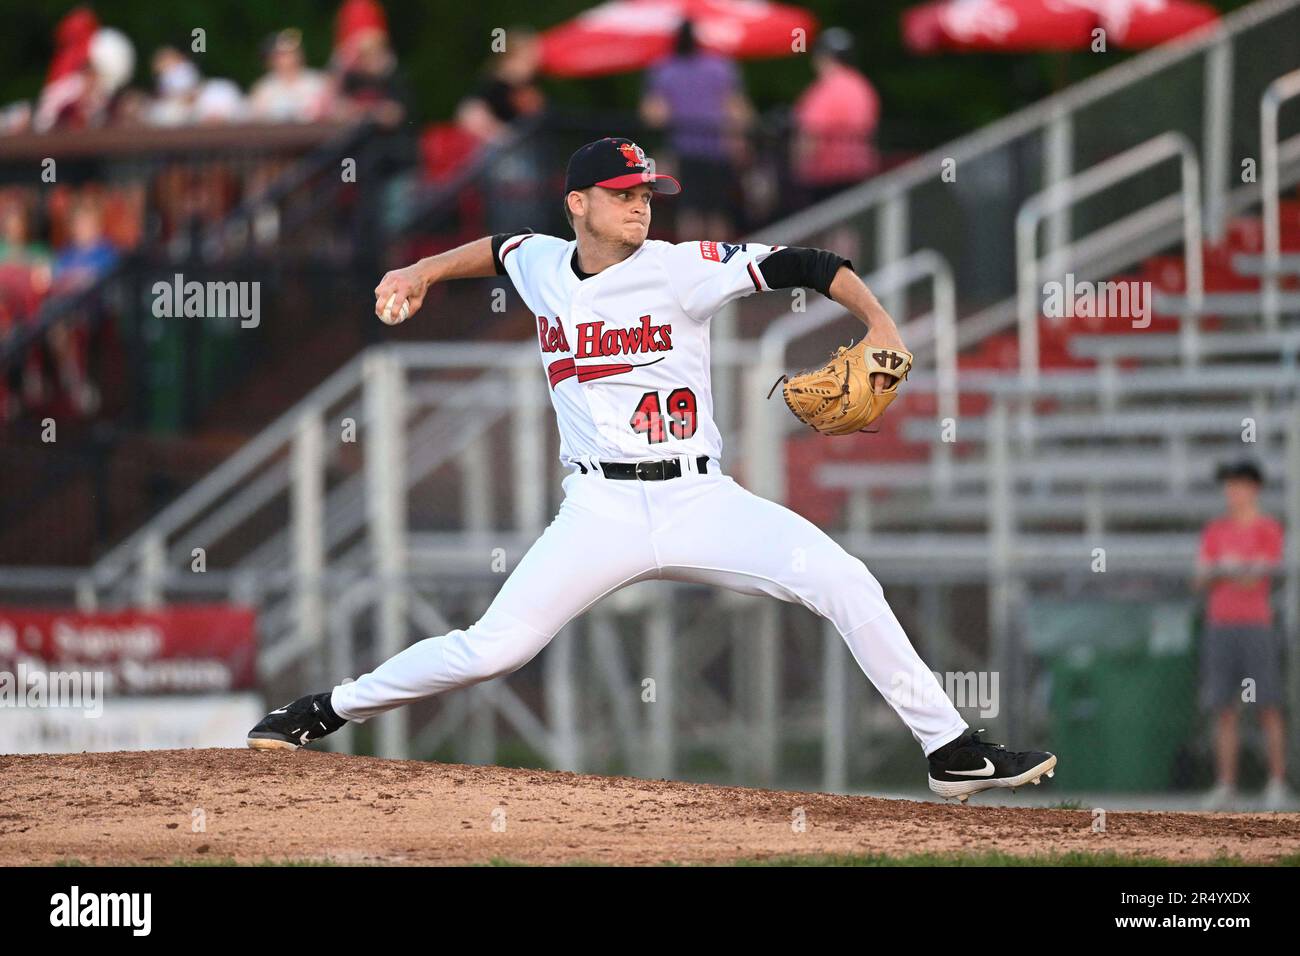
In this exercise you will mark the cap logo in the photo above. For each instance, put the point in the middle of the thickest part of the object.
(633, 153)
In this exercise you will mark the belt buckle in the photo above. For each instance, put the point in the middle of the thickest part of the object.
(638, 473)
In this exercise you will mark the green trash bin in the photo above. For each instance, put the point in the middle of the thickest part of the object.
(164, 345)
(1121, 717)
(1122, 690)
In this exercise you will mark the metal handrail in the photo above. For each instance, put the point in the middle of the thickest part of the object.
(1068, 192)
(447, 194)
(344, 504)
(54, 309)
(897, 275)
(763, 433)
(230, 472)
(1001, 315)
(241, 467)
(323, 157)
(1278, 92)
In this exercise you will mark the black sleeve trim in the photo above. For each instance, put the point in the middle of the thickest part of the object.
(498, 241)
(798, 267)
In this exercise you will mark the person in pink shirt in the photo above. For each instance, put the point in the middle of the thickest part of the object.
(1239, 555)
(835, 120)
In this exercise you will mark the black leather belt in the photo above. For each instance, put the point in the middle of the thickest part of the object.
(647, 470)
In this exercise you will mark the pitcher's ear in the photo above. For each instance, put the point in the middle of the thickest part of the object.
(569, 210)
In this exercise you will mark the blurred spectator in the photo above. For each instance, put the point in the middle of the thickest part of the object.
(508, 89)
(24, 270)
(112, 60)
(65, 82)
(177, 82)
(368, 83)
(508, 93)
(1239, 554)
(53, 374)
(72, 38)
(16, 245)
(835, 120)
(185, 97)
(290, 92)
(220, 101)
(88, 73)
(355, 19)
(699, 97)
(15, 117)
(89, 255)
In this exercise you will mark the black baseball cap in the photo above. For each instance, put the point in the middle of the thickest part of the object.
(1241, 469)
(615, 163)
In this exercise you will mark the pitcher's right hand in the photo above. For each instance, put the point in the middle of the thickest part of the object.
(399, 295)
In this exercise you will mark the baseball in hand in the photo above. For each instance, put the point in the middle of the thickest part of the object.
(403, 314)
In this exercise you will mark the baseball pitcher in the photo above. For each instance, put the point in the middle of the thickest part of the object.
(622, 326)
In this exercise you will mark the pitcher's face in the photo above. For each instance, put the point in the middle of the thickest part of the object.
(619, 215)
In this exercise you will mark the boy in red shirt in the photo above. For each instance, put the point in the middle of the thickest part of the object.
(1240, 552)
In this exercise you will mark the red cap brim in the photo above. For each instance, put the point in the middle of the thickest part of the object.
(658, 182)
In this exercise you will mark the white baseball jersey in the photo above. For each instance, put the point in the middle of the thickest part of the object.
(626, 351)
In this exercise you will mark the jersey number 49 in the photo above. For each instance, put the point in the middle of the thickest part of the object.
(680, 419)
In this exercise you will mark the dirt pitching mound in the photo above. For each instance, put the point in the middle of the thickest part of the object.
(157, 807)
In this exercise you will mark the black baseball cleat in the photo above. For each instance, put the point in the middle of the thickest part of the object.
(296, 725)
(968, 765)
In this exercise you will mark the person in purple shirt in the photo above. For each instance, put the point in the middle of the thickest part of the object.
(699, 98)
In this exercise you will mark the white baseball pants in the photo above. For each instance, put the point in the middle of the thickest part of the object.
(701, 528)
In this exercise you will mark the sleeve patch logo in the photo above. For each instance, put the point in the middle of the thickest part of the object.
(729, 249)
(709, 250)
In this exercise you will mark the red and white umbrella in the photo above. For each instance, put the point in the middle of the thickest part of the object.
(1028, 26)
(626, 35)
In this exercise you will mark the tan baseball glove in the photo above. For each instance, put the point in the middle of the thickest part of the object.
(838, 399)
